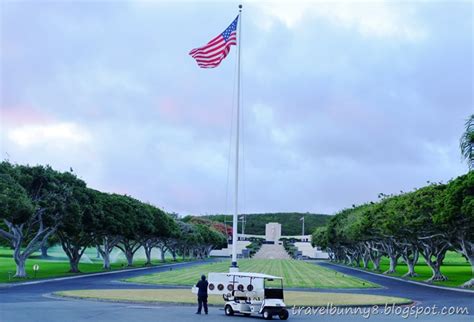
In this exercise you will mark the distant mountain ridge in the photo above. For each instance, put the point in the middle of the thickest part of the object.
(290, 222)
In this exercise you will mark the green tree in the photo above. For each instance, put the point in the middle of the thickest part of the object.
(77, 228)
(467, 142)
(188, 239)
(137, 224)
(111, 221)
(33, 200)
(320, 238)
(17, 210)
(404, 226)
(426, 206)
(457, 216)
(164, 228)
(210, 239)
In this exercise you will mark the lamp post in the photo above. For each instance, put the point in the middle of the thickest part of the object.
(225, 227)
(302, 228)
(242, 218)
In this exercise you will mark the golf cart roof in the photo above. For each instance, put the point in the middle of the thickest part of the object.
(253, 275)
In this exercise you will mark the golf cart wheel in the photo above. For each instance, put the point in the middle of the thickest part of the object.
(228, 310)
(267, 315)
(283, 315)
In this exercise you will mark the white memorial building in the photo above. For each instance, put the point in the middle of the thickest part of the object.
(273, 236)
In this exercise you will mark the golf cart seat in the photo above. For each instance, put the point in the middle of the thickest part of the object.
(237, 296)
(273, 293)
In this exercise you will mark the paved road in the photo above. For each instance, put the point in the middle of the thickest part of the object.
(269, 251)
(422, 295)
(28, 303)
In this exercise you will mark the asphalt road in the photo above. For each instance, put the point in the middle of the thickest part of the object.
(28, 303)
(422, 295)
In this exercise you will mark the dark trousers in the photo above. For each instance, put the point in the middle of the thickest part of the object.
(202, 300)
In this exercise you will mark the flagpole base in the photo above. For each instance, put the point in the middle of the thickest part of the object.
(234, 268)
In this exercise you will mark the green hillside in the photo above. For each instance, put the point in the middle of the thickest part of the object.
(290, 222)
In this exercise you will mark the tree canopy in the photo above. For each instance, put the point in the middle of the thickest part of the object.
(290, 222)
(38, 203)
(428, 222)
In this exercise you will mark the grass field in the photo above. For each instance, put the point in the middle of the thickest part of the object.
(185, 296)
(295, 274)
(455, 267)
(58, 266)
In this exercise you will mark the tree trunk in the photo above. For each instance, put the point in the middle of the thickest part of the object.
(173, 253)
(148, 254)
(331, 255)
(129, 256)
(431, 247)
(74, 254)
(347, 256)
(129, 248)
(20, 262)
(376, 262)
(365, 261)
(411, 269)
(410, 261)
(470, 283)
(357, 261)
(74, 265)
(437, 275)
(105, 253)
(349, 259)
(391, 248)
(108, 243)
(393, 264)
(163, 253)
(16, 238)
(74, 249)
(374, 254)
(106, 259)
(44, 251)
(466, 247)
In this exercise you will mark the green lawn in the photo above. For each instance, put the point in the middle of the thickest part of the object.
(58, 266)
(185, 296)
(455, 267)
(295, 274)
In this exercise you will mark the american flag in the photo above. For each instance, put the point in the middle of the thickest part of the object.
(211, 54)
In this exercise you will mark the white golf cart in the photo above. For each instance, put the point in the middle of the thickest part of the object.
(250, 293)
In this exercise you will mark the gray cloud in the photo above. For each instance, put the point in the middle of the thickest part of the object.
(336, 109)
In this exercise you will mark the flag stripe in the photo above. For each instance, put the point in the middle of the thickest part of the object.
(212, 54)
(218, 45)
(216, 60)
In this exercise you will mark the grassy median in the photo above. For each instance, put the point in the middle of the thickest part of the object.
(455, 267)
(295, 274)
(186, 297)
(59, 266)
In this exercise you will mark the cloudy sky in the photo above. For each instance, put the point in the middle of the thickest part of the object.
(341, 100)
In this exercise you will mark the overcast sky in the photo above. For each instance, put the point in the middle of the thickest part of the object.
(341, 100)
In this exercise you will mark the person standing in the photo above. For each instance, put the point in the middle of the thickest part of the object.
(202, 294)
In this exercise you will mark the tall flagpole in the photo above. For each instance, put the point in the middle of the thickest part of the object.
(302, 230)
(234, 266)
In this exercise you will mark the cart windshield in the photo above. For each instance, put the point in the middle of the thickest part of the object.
(273, 288)
(273, 283)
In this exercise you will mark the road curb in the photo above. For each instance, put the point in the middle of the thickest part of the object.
(405, 280)
(57, 279)
(160, 303)
(92, 299)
